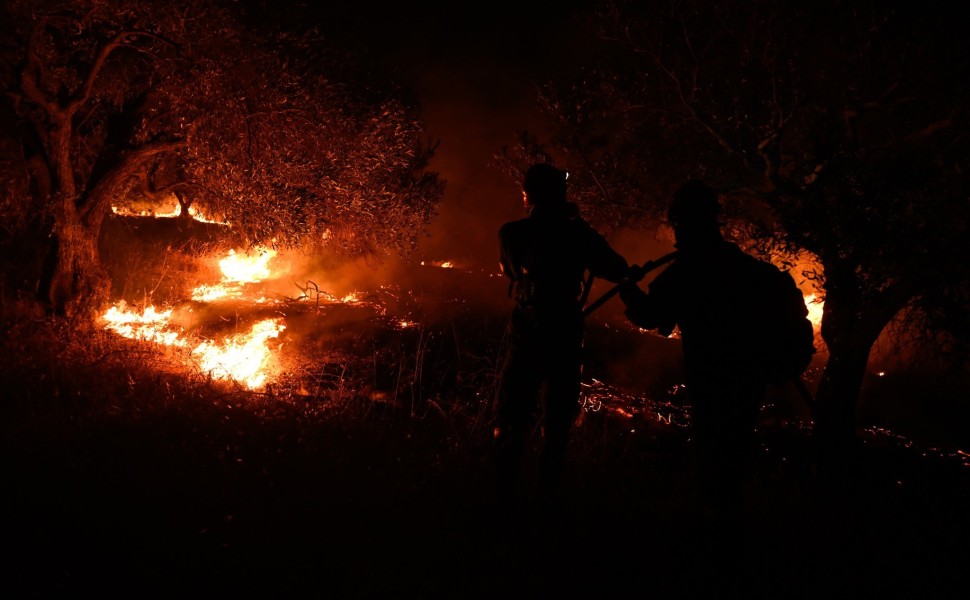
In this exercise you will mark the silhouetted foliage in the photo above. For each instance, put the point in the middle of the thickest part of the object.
(837, 129)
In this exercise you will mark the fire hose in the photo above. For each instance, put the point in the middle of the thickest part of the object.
(636, 274)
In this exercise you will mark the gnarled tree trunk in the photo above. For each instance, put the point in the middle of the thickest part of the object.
(837, 396)
(851, 324)
(76, 282)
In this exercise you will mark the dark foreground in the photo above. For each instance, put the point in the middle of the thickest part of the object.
(280, 503)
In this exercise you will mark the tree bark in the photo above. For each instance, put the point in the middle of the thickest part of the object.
(851, 324)
(837, 396)
(78, 282)
(73, 280)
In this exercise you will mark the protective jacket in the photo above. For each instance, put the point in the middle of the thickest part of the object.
(545, 256)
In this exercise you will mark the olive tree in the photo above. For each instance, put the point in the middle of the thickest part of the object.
(108, 100)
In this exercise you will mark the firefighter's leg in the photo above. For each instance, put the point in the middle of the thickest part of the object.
(561, 407)
(515, 407)
(723, 422)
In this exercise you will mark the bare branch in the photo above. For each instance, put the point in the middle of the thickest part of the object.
(929, 130)
(96, 202)
(118, 41)
(28, 77)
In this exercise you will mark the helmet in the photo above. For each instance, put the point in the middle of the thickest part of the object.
(544, 184)
(694, 204)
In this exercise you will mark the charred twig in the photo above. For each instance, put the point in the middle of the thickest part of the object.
(597, 396)
(310, 286)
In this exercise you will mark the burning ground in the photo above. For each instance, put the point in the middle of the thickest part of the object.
(321, 429)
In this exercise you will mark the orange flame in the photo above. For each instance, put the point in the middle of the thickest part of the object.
(242, 357)
(814, 310)
(164, 210)
(150, 325)
(814, 306)
(245, 357)
(246, 269)
(237, 269)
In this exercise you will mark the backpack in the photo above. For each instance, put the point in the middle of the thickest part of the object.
(782, 334)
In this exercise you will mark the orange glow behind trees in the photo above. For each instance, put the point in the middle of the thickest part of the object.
(834, 131)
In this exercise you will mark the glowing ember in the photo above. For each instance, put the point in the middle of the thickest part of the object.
(444, 264)
(243, 357)
(597, 396)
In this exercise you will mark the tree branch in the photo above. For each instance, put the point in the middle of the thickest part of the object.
(97, 201)
(929, 130)
(693, 113)
(32, 66)
(118, 41)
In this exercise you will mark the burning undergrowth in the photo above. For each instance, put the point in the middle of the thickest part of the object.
(293, 325)
(422, 337)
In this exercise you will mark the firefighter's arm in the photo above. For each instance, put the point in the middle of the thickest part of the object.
(505, 262)
(638, 306)
(645, 310)
(606, 262)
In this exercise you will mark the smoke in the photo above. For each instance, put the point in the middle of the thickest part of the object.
(476, 78)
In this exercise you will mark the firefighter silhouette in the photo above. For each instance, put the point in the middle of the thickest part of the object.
(547, 257)
(710, 292)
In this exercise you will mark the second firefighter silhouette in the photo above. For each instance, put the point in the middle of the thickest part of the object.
(546, 256)
(743, 324)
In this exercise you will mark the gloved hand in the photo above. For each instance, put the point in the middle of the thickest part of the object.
(634, 273)
(631, 294)
(638, 305)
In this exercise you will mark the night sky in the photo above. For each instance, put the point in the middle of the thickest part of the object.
(474, 70)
